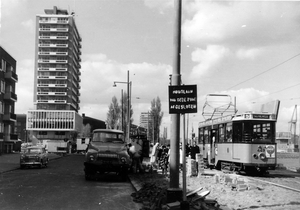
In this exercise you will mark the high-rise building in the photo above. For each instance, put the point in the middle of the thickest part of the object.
(8, 97)
(146, 121)
(56, 77)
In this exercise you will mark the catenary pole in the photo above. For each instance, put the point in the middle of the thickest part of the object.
(128, 108)
(176, 78)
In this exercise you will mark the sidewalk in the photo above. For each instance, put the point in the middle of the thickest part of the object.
(10, 162)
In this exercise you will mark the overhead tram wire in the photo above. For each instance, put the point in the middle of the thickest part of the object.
(273, 92)
(265, 71)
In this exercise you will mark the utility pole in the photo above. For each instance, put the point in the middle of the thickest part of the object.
(174, 192)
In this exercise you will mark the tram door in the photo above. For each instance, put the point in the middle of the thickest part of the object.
(212, 146)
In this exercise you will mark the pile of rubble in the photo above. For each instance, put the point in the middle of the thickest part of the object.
(153, 195)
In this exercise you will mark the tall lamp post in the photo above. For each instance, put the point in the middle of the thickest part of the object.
(129, 84)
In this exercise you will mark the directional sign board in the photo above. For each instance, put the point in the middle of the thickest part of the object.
(183, 99)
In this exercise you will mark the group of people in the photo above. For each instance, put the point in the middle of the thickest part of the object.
(161, 155)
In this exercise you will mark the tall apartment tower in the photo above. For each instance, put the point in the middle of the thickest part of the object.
(8, 98)
(56, 77)
(146, 121)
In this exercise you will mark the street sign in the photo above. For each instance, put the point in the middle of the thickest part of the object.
(183, 99)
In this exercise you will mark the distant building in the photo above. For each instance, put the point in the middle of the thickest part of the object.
(8, 98)
(146, 121)
(285, 142)
(94, 123)
(56, 77)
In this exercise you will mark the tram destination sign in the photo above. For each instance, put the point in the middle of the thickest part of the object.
(183, 99)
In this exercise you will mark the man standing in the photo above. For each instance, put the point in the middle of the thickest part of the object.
(194, 149)
(136, 152)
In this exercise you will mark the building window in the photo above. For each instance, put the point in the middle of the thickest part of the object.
(1, 107)
(2, 86)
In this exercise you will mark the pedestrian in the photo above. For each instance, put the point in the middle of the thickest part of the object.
(136, 153)
(154, 152)
(187, 149)
(164, 160)
(194, 150)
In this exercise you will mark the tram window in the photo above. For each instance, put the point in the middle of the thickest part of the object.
(247, 134)
(201, 137)
(221, 133)
(206, 136)
(237, 132)
(228, 133)
(263, 131)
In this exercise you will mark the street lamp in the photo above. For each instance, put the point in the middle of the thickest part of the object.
(129, 84)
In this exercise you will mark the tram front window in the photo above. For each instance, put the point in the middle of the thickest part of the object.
(254, 131)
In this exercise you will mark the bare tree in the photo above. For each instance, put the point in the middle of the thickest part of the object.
(157, 116)
(86, 130)
(113, 115)
(123, 114)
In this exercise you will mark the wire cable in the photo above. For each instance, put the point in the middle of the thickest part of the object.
(272, 93)
(265, 71)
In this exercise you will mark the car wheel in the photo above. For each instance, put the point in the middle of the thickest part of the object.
(46, 163)
(123, 174)
(88, 173)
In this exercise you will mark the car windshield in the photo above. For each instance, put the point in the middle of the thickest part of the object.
(33, 150)
(108, 137)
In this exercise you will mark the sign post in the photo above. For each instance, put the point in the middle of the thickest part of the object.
(182, 100)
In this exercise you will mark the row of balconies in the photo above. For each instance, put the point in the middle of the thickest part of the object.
(52, 61)
(54, 29)
(10, 96)
(54, 37)
(53, 45)
(7, 137)
(53, 85)
(53, 77)
(10, 117)
(52, 93)
(54, 20)
(11, 76)
(52, 101)
(52, 69)
(52, 53)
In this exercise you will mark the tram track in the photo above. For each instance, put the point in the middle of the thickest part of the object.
(282, 179)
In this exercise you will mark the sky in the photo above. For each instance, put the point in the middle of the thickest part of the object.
(249, 50)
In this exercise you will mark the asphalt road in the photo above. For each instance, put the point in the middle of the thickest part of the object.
(62, 186)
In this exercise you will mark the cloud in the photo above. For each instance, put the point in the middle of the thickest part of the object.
(98, 76)
(248, 53)
(246, 99)
(250, 24)
(206, 59)
(161, 5)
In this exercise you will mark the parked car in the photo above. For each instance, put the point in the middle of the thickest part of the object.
(34, 156)
(107, 152)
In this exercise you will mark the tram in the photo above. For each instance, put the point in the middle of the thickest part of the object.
(240, 142)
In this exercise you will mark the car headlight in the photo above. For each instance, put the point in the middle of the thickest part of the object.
(123, 160)
(91, 157)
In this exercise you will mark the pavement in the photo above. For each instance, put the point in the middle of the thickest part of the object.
(11, 162)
